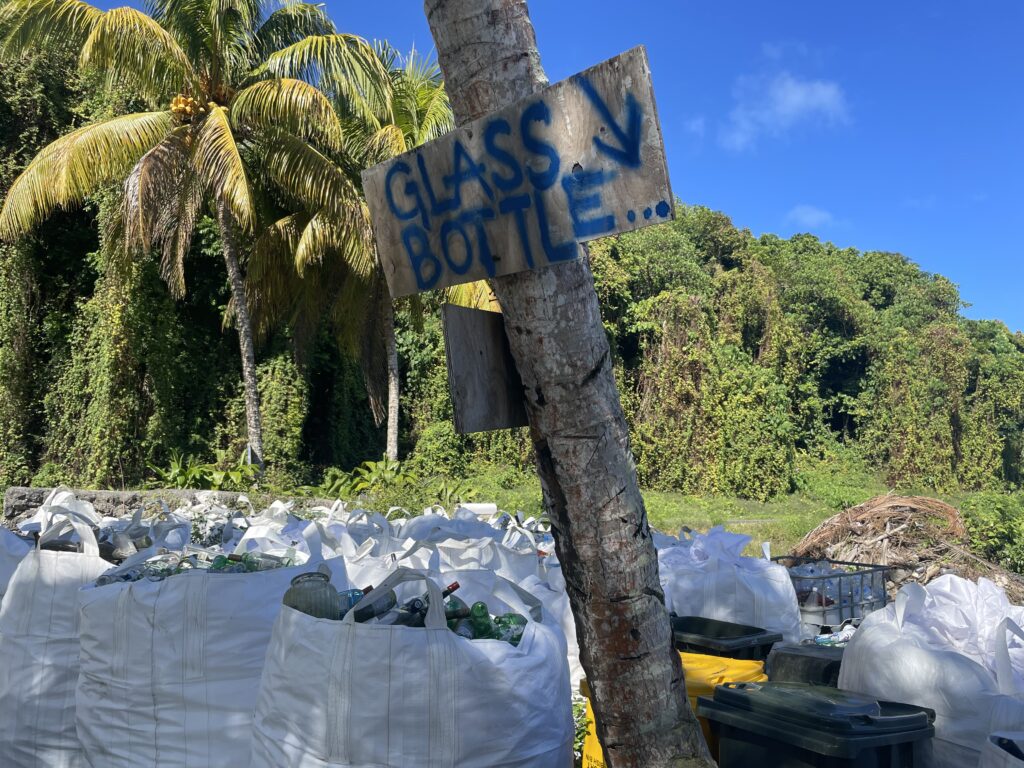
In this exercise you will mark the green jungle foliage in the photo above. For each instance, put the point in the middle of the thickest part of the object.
(748, 367)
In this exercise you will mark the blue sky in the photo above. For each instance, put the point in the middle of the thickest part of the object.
(880, 125)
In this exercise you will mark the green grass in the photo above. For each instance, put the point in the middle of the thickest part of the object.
(782, 522)
(824, 487)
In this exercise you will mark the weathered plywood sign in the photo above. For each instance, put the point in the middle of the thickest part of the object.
(487, 392)
(519, 189)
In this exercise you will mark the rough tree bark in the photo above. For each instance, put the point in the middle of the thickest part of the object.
(487, 51)
(230, 247)
(391, 349)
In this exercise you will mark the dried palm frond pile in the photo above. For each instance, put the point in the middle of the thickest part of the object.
(918, 537)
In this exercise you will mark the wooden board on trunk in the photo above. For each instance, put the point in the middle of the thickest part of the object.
(486, 390)
(521, 188)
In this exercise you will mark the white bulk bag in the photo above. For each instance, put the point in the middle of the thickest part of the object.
(514, 565)
(13, 549)
(706, 575)
(375, 527)
(350, 695)
(995, 756)
(39, 651)
(895, 655)
(553, 595)
(435, 525)
(964, 616)
(60, 500)
(170, 669)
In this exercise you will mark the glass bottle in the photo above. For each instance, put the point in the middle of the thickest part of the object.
(480, 618)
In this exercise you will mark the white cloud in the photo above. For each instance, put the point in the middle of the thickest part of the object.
(772, 105)
(696, 126)
(809, 216)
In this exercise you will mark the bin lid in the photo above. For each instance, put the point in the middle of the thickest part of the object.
(813, 650)
(821, 707)
(714, 629)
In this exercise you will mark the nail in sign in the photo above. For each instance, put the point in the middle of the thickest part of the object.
(521, 188)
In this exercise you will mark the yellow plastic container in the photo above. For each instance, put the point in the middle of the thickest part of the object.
(703, 673)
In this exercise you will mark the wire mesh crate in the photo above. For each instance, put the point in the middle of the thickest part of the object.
(831, 591)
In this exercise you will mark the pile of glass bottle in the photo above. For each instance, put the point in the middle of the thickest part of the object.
(166, 564)
(313, 594)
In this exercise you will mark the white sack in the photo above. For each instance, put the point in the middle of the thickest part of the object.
(39, 651)
(900, 654)
(348, 695)
(170, 669)
(486, 553)
(964, 616)
(13, 549)
(994, 756)
(60, 500)
(556, 604)
(706, 575)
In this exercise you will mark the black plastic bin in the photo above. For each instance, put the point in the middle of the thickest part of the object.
(796, 725)
(722, 638)
(804, 663)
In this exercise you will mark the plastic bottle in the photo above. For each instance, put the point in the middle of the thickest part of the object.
(348, 598)
(464, 628)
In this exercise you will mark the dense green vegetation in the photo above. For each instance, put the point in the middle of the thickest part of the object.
(765, 379)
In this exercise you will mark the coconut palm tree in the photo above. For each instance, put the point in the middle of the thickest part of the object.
(231, 87)
(358, 306)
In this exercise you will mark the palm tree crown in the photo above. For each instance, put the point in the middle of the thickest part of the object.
(229, 83)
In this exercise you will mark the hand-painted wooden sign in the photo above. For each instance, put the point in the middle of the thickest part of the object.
(521, 188)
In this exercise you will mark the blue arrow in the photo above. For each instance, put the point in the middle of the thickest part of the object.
(628, 151)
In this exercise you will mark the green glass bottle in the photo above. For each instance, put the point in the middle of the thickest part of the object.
(455, 609)
(480, 618)
(510, 627)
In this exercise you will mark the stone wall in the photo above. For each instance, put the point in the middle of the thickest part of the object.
(21, 502)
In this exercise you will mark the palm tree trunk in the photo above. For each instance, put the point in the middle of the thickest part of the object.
(488, 53)
(229, 241)
(388, 323)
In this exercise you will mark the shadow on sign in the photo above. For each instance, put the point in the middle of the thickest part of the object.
(487, 393)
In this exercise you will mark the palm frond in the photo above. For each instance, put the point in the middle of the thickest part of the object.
(272, 287)
(477, 295)
(39, 24)
(344, 66)
(132, 48)
(233, 24)
(436, 113)
(74, 166)
(163, 198)
(386, 142)
(216, 157)
(340, 234)
(306, 175)
(188, 22)
(291, 105)
(289, 25)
